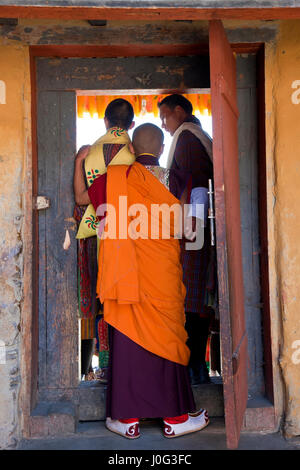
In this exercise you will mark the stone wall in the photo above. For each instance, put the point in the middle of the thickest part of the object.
(283, 162)
(14, 128)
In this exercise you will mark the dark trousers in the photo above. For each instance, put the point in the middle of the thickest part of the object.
(87, 351)
(197, 329)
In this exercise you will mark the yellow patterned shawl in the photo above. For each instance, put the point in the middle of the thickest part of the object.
(110, 149)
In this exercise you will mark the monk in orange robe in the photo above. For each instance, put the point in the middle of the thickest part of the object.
(140, 284)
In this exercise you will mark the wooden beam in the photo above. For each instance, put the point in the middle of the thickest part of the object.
(147, 14)
(153, 50)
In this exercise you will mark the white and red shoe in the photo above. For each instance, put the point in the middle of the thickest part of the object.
(129, 430)
(195, 422)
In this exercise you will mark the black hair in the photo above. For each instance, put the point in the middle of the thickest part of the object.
(119, 113)
(177, 100)
(193, 119)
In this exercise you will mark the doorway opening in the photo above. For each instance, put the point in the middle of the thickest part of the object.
(91, 105)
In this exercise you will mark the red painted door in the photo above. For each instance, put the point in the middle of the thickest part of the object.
(228, 230)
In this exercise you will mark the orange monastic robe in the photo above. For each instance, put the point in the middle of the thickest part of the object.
(140, 281)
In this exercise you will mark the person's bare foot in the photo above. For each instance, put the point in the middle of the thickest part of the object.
(101, 375)
(90, 376)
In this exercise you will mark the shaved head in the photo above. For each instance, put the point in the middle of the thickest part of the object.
(148, 138)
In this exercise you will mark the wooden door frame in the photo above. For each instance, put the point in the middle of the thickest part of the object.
(263, 225)
(169, 12)
(30, 341)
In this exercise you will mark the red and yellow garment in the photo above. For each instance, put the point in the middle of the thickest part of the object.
(110, 149)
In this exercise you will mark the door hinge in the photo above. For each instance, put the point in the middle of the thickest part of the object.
(42, 202)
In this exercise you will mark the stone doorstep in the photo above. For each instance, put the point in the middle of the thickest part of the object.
(208, 396)
(259, 416)
(61, 418)
(92, 401)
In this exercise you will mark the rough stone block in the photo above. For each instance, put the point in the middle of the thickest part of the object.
(210, 397)
(61, 424)
(38, 426)
(92, 402)
(259, 419)
(53, 419)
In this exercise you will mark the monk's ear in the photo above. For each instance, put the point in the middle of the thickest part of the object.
(131, 148)
(161, 150)
(180, 113)
(132, 125)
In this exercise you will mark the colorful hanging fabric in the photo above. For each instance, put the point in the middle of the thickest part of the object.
(87, 271)
(88, 330)
(142, 104)
(102, 330)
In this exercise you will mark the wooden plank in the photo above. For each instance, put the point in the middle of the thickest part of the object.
(132, 50)
(248, 162)
(116, 35)
(132, 72)
(263, 225)
(58, 322)
(34, 350)
(149, 14)
(29, 343)
(65, 262)
(45, 129)
(141, 50)
(152, 35)
(228, 231)
(47, 106)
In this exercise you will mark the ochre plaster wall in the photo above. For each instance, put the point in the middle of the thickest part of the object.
(14, 132)
(283, 167)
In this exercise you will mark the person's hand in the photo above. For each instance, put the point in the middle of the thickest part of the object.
(190, 228)
(82, 153)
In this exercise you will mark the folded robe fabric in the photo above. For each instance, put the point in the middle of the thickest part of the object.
(140, 280)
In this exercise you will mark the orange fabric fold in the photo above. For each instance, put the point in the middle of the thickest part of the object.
(140, 281)
(117, 273)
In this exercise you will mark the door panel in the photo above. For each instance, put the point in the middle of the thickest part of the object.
(58, 321)
(228, 230)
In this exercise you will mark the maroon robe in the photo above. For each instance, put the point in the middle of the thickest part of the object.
(140, 383)
(190, 155)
